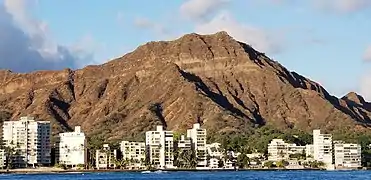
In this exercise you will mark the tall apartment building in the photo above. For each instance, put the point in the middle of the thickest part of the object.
(198, 138)
(135, 152)
(72, 148)
(347, 155)
(159, 145)
(322, 147)
(30, 139)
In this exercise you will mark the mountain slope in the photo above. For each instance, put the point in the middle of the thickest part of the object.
(213, 79)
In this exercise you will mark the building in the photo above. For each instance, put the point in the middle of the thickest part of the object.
(2, 159)
(30, 140)
(184, 148)
(72, 148)
(159, 145)
(277, 150)
(322, 147)
(347, 156)
(105, 158)
(135, 153)
(309, 151)
(295, 149)
(198, 138)
(184, 143)
(215, 153)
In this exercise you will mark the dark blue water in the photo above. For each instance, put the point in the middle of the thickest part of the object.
(261, 175)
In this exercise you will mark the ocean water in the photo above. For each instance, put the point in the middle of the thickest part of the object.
(258, 175)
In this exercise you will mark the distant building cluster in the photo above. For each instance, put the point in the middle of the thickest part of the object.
(333, 154)
(27, 143)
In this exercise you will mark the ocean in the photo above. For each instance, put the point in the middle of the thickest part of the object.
(221, 175)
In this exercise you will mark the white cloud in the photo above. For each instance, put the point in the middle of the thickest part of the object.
(201, 9)
(25, 43)
(365, 89)
(146, 24)
(367, 54)
(256, 37)
(344, 6)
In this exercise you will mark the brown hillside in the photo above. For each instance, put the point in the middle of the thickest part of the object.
(212, 79)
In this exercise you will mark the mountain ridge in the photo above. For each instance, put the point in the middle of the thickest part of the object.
(213, 79)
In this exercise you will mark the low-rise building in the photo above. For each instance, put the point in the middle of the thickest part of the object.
(347, 155)
(134, 152)
(215, 153)
(277, 150)
(72, 148)
(295, 149)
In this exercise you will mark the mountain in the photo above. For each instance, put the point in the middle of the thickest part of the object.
(213, 79)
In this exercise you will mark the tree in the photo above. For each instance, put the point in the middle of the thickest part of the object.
(220, 163)
(281, 164)
(11, 152)
(242, 161)
(268, 164)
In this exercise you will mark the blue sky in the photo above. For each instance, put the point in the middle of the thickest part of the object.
(326, 41)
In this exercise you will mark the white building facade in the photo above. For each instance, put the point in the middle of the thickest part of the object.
(72, 148)
(135, 152)
(30, 139)
(198, 138)
(105, 157)
(347, 155)
(159, 145)
(277, 150)
(322, 147)
(309, 151)
(216, 155)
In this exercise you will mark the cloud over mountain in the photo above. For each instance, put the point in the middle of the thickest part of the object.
(25, 44)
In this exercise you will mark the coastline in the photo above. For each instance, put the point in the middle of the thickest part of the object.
(55, 170)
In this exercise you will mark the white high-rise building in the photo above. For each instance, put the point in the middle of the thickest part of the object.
(72, 148)
(347, 155)
(30, 139)
(135, 152)
(198, 138)
(322, 147)
(159, 145)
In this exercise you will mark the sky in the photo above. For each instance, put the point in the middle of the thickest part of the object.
(327, 41)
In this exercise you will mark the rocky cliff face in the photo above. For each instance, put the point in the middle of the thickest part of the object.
(213, 79)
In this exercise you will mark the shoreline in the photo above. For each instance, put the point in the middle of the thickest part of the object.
(56, 171)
